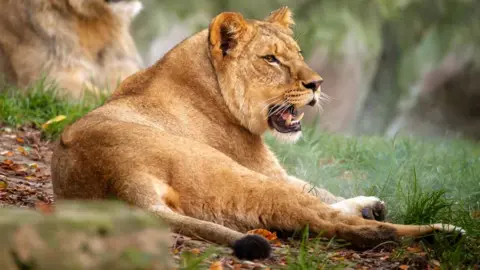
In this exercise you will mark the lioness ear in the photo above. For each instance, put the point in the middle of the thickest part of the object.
(225, 32)
(282, 16)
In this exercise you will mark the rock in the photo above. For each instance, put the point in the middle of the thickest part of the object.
(83, 235)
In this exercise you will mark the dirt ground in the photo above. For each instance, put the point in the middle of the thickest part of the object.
(25, 181)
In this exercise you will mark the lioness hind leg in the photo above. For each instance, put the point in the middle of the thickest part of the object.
(148, 192)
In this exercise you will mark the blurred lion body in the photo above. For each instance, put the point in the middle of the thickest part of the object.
(84, 45)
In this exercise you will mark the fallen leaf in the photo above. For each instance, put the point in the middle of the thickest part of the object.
(44, 207)
(56, 119)
(337, 258)
(20, 140)
(323, 162)
(276, 243)
(265, 233)
(18, 168)
(415, 249)
(436, 263)
(3, 185)
(7, 162)
(216, 266)
(347, 175)
(195, 251)
(6, 153)
(404, 267)
(22, 151)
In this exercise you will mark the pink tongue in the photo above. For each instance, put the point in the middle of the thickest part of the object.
(285, 115)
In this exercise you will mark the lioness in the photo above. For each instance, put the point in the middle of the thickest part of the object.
(81, 44)
(183, 139)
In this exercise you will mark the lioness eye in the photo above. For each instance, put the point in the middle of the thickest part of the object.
(270, 58)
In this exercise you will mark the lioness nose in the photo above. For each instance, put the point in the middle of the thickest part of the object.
(313, 85)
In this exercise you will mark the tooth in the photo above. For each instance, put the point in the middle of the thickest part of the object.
(300, 117)
(288, 122)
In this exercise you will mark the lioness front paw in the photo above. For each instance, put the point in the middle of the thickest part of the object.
(363, 206)
(448, 228)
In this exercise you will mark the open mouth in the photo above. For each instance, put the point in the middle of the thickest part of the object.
(284, 120)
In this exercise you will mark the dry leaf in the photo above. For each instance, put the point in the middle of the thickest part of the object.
(216, 266)
(265, 233)
(337, 258)
(347, 175)
(195, 251)
(404, 267)
(276, 243)
(436, 263)
(7, 153)
(53, 120)
(414, 249)
(3, 185)
(7, 162)
(20, 140)
(22, 151)
(44, 208)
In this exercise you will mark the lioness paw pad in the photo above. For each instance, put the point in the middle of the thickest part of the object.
(366, 207)
(448, 228)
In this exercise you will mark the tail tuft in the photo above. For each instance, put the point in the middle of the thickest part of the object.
(251, 247)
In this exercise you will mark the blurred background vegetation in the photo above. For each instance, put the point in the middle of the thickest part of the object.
(390, 66)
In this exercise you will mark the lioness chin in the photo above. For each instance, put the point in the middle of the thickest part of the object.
(183, 139)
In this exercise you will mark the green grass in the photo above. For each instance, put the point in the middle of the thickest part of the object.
(37, 104)
(422, 180)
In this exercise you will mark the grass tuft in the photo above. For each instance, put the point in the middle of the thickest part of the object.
(37, 104)
(423, 206)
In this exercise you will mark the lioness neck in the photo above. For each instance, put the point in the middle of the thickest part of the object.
(185, 74)
(181, 94)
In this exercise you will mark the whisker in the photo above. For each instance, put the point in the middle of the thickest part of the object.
(277, 109)
(269, 104)
(325, 98)
(271, 101)
(274, 97)
(286, 108)
(283, 105)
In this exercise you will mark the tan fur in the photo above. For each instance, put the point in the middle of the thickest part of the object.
(183, 139)
(82, 44)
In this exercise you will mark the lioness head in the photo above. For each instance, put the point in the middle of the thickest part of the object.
(261, 72)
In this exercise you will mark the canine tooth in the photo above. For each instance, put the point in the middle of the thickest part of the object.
(288, 122)
(300, 117)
